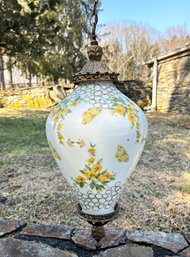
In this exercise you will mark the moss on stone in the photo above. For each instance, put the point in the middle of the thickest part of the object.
(16, 105)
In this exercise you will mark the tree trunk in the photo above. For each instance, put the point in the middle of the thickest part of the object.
(2, 79)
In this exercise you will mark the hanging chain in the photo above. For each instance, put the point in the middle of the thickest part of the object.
(94, 19)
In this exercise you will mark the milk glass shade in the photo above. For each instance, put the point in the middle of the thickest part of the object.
(96, 135)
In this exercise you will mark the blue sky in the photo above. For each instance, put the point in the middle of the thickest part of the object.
(157, 13)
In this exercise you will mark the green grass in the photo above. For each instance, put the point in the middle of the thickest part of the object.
(184, 183)
(22, 134)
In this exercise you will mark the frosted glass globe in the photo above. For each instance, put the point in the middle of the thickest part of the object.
(96, 135)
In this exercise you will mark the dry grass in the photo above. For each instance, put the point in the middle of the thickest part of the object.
(157, 196)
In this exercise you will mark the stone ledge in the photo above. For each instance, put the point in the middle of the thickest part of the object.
(174, 242)
(19, 248)
(128, 251)
(8, 227)
(41, 240)
(113, 237)
(48, 231)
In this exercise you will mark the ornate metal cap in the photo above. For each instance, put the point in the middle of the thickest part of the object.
(95, 69)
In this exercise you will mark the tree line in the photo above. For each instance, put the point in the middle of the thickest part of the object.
(127, 46)
(47, 38)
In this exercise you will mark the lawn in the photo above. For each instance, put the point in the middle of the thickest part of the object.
(156, 197)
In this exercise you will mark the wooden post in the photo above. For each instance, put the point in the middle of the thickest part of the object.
(154, 85)
(2, 78)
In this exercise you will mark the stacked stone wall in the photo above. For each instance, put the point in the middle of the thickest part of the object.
(137, 90)
(32, 98)
(173, 90)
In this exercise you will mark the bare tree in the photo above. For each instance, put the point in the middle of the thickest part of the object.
(128, 46)
(173, 38)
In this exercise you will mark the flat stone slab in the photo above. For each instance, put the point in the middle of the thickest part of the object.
(113, 237)
(128, 251)
(10, 247)
(185, 253)
(48, 231)
(171, 241)
(187, 236)
(7, 227)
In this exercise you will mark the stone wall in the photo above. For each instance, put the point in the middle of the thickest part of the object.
(32, 98)
(173, 90)
(136, 90)
(45, 96)
(19, 239)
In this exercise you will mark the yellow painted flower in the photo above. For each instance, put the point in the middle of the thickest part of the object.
(91, 150)
(91, 160)
(138, 125)
(60, 137)
(131, 118)
(114, 97)
(70, 143)
(64, 110)
(102, 178)
(120, 109)
(97, 167)
(81, 143)
(108, 175)
(86, 173)
(138, 135)
(92, 174)
(131, 109)
(56, 119)
(81, 179)
(59, 127)
(74, 104)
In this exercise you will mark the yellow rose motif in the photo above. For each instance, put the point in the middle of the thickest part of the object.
(91, 160)
(131, 109)
(102, 178)
(86, 173)
(60, 137)
(108, 175)
(56, 119)
(131, 118)
(81, 179)
(120, 109)
(59, 127)
(138, 125)
(97, 167)
(64, 111)
(92, 174)
(74, 104)
(91, 150)
(138, 135)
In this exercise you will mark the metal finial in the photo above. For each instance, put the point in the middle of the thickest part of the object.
(95, 21)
